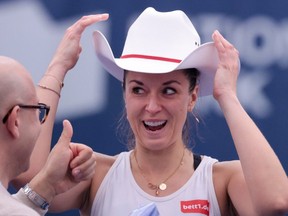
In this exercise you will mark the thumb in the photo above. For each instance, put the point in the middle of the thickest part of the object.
(66, 134)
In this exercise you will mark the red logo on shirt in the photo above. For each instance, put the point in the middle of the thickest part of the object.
(195, 206)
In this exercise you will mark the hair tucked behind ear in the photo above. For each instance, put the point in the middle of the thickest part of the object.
(193, 75)
(190, 124)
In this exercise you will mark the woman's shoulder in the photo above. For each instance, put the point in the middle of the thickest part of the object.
(223, 172)
(226, 169)
(103, 163)
(104, 160)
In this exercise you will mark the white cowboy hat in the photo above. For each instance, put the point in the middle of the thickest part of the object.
(161, 42)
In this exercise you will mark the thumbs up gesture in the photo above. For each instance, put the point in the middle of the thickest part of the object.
(68, 164)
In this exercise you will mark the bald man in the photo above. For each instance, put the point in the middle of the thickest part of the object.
(21, 117)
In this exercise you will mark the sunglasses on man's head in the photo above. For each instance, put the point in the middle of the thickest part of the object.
(43, 111)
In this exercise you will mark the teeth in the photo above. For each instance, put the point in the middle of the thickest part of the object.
(154, 124)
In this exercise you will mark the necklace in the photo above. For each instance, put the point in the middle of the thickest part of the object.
(163, 185)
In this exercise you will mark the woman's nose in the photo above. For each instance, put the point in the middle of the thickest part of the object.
(153, 104)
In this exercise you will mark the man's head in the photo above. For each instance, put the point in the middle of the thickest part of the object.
(19, 127)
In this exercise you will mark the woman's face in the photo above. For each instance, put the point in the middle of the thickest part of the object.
(157, 106)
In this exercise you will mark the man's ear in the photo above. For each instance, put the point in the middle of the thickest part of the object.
(12, 123)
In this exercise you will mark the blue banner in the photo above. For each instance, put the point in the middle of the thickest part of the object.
(92, 99)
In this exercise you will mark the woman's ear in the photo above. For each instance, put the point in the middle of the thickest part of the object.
(12, 123)
(193, 98)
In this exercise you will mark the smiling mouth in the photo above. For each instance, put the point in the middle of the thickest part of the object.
(154, 125)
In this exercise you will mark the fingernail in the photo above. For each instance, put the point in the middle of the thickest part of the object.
(104, 16)
(76, 172)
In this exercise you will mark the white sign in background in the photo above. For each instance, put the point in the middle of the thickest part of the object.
(29, 35)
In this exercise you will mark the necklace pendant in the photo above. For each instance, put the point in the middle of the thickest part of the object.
(157, 192)
(162, 186)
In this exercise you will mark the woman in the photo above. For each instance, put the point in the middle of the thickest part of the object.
(164, 70)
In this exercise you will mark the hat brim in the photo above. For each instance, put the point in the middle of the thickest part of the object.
(204, 58)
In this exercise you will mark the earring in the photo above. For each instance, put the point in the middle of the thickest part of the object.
(198, 121)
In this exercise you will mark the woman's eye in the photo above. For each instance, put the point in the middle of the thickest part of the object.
(137, 90)
(169, 91)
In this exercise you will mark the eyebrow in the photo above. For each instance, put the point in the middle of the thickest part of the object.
(165, 83)
(171, 81)
(136, 81)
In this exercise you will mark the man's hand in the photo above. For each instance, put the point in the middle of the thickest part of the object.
(67, 165)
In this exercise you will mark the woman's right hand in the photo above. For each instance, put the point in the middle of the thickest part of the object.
(69, 49)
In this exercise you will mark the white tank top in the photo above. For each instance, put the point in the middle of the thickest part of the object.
(119, 193)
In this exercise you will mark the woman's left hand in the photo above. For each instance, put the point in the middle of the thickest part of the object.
(225, 81)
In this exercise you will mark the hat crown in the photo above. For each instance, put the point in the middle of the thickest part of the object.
(162, 34)
(161, 42)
